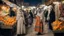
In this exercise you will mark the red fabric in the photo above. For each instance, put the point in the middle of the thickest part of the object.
(38, 25)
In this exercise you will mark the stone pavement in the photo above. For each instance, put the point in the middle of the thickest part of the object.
(48, 32)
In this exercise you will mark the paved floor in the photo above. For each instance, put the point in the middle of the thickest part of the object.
(48, 32)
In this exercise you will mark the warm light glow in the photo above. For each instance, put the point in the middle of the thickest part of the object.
(3, 7)
(62, 1)
(32, 7)
(6, 8)
(22, 7)
(14, 9)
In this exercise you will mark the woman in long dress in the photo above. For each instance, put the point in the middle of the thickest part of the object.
(20, 23)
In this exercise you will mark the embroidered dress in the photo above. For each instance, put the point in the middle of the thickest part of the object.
(38, 25)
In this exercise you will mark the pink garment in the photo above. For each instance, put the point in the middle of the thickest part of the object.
(61, 7)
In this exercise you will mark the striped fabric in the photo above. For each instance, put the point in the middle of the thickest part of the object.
(38, 25)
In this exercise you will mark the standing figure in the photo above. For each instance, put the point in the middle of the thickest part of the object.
(20, 23)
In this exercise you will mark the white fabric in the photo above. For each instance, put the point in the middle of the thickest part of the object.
(20, 26)
(49, 8)
(20, 23)
(45, 25)
(45, 8)
(18, 14)
(42, 17)
(57, 11)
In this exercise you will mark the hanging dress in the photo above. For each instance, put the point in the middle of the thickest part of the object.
(39, 23)
(38, 26)
(20, 23)
(61, 10)
(57, 11)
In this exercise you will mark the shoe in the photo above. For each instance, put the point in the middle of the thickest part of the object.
(18, 35)
(22, 34)
(39, 34)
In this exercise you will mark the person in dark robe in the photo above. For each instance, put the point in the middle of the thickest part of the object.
(52, 18)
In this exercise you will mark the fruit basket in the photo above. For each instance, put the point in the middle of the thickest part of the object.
(8, 21)
(5, 18)
(58, 26)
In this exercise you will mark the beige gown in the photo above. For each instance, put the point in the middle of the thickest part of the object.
(20, 23)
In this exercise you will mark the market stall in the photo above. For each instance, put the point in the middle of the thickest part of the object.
(50, 14)
(7, 19)
(58, 24)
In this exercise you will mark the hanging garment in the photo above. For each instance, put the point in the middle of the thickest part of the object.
(20, 23)
(57, 11)
(38, 25)
(45, 24)
(21, 26)
(45, 14)
(49, 11)
(34, 12)
(49, 16)
(52, 18)
(18, 14)
(61, 7)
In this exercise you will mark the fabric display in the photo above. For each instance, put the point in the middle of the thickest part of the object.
(46, 13)
(38, 25)
(42, 16)
(56, 9)
(45, 16)
(62, 10)
(58, 23)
